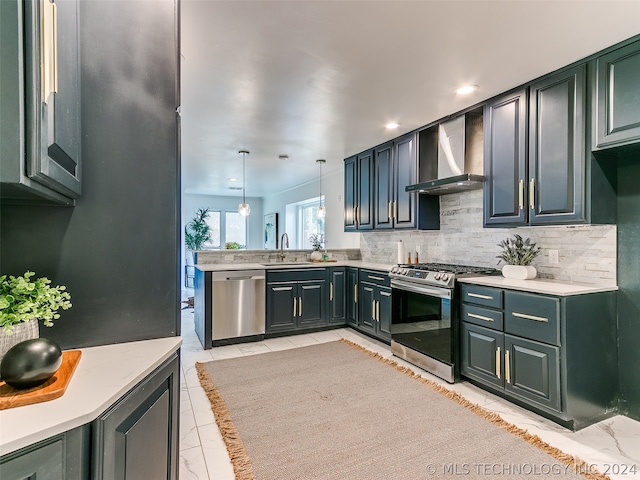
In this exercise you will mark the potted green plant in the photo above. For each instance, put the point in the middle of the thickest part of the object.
(518, 255)
(25, 300)
(197, 232)
(316, 241)
(233, 246)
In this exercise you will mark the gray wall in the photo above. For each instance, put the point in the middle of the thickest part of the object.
(117, 249)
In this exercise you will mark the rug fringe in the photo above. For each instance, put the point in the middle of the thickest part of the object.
(576, 464)
(235, 447)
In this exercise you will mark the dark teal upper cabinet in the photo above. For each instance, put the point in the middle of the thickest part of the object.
(365, 195)
(40, 98)
(617, 109)
(557, 148)
(350, 193)
(535, 153)
(505, 157)
(384, 186)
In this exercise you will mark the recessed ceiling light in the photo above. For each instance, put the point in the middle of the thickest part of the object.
(466, 89)
(233, 179)
(283, 157)
(391, 125)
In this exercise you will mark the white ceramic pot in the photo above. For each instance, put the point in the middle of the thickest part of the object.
(316, 255)
(21, 332)
(519, 272)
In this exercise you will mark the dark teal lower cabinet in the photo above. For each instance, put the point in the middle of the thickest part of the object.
(137, 437)
(351, 296)
(64, 456)
(374, 302)
(337, 278)
(532, 371)
(296, 300)
(555, 355)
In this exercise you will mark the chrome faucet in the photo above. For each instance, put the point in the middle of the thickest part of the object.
(282, 245)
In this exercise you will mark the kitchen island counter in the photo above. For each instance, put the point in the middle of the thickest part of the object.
(103, 375)
(539, 285)
(225, 267)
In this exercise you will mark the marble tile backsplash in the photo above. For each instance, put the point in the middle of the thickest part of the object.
(270, 256)
(587, 253)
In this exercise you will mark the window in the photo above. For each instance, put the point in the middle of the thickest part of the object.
(308, 222)
(226, 227)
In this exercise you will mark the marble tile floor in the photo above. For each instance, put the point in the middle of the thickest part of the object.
(612, 445)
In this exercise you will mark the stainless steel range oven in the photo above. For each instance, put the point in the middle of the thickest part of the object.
(424, 323)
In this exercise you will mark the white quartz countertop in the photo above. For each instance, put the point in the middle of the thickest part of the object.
(103, 375)
(540, 285)
(226, 267)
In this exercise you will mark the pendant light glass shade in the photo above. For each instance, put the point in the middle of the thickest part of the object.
(244, 209)
(322, 212)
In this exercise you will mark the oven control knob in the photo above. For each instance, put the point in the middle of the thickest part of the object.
(437, 276)
(444, 277)
(394, 269)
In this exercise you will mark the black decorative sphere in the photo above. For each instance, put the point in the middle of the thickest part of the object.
(30, 363)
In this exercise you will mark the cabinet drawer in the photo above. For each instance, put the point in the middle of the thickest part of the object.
(485, 296)
(532, 316)
(482, 316)
(375, 277)
(296, 275)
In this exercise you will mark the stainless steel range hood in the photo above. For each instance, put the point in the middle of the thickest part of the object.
(459, 156)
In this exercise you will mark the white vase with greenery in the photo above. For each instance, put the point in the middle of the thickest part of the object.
(518, 255)
(316, 244)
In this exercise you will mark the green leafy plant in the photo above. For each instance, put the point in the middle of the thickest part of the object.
(197, 231)
(516, 251)
(316, 241)
(25, 298)
(233, 246)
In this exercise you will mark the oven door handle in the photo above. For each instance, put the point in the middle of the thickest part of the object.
(423, 289)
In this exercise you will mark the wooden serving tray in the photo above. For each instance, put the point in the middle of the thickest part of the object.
(53, 388)
(323, 261)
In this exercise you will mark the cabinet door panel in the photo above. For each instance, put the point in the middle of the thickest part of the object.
(365, 197)
(337, 297)
(53, 139)
(280, 303)
(533, 371)
(557, 148)
(367, 297)
(350, 194)
(383, 187)
(384, 312)
(405, 172)
(618, 104)
(311, 300)
(504, 159)
(482, 354)
(43, 463)
(352, 296)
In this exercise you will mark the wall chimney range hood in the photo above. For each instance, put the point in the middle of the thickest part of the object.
(451, 156)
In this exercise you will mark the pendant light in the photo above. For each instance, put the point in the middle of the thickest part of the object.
(321, 210)
(244, 209)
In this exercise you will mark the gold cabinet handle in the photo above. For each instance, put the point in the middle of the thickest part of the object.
(530, 317)
(355, 294)
(498, 362)
(378, 311)
(532, 193)
(373, 310)
(295, 306)
(477, 295)
(331, 292)
(299, 306)
(521, 194)
(371, 277)
(480, 317)
(507, 367)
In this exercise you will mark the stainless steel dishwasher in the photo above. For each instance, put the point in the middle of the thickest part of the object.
(237, 304)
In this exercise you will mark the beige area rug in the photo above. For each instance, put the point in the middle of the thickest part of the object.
(338, 411)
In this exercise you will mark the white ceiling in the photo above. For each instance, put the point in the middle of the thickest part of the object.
(320, 79)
